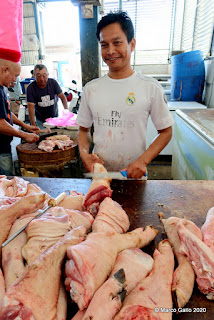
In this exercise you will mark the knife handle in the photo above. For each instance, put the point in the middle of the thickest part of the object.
(54, 202)
(124, 173)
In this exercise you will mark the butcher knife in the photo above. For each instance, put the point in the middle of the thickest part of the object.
(121, 175)
(46, 135)
(51, 203)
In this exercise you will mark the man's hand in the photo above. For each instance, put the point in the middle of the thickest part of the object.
(30, 137)
(136, 169)
(89, 160)
(33, 129)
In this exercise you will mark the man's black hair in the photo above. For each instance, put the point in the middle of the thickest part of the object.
(122, 18)
(40, 67)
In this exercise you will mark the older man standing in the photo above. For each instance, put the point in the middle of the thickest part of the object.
(42, 97)
(9, 71)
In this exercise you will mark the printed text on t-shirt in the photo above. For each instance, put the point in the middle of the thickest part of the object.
(114, 122)
(46, 102)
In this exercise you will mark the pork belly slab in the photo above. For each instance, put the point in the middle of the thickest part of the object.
(18, 188)
(36, 291)
(184, 276)
(4, 184)
(73, 201)
(152, 292)
(46, 230)
(98, 191)
(208, 229)
(12, 259)
(91, 262)
(25, 205)
(201, 257)
(111, 217)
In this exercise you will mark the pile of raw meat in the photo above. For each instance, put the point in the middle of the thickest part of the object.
(83, 246)
(58, 141)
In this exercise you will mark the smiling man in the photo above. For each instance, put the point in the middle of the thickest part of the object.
(119, 105)
(42, 97)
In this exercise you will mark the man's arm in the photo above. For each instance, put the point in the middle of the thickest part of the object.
(31, 111)
(84, 141)
(33, 129)
(137, 169)
(9, 130)
(63, 99)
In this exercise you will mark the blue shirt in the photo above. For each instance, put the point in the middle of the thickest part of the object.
(5, 113)
(45, 99)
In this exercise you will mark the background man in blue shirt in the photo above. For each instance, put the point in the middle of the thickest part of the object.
(42, 97)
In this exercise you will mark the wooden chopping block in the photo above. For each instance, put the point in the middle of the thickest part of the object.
(48, 164)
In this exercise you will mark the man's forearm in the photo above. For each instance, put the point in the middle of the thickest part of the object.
(65, 104)
(157, 145)
(9, 130)
(31, 114)
(64, 100)
(84, 141)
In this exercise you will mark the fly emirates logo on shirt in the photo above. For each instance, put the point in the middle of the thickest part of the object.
(115, 121)
(46, 102)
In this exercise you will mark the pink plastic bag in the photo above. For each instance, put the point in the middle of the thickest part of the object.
(68, 119)
(11, 15)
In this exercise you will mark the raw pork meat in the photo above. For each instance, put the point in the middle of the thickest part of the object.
(2, 289)
(73, 201)
(98, 191)
(4, 184)
(62, 137)
(36, 291)
(46, 230)
(136, 264)
(32, 188)
(153, 291)
(91, 262)
(6, 201)
(12, 260)
(63, 144)
(78, 218)
(18, 188)
(110, 217)
(25, 205)
(208, 229)
(184, 276)
(108, 299)
(201, 258)
(46, 145)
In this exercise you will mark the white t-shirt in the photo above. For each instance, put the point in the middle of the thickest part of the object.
(119, 109)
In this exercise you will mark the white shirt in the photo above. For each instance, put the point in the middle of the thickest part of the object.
(119, 109)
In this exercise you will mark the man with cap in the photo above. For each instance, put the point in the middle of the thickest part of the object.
(8, 74)
(10, 56)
